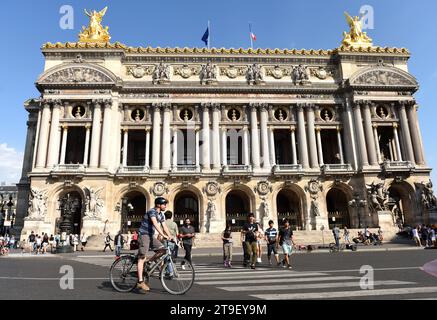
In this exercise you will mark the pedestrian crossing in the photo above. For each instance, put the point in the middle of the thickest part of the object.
(272, 283)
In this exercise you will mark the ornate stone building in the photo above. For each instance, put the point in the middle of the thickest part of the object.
(322, 137)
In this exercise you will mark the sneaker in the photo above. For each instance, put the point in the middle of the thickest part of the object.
(183, 267)
(143, 286)
(229, 265)
(252, 266)
(289, 267)
(258, 260)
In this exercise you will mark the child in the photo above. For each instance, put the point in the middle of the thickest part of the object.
(227, 247)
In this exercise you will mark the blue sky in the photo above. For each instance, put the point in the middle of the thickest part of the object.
(310, 24)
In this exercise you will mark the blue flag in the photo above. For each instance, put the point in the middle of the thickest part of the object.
(205, 37)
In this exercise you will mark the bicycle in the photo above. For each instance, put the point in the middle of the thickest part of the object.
(177, 276)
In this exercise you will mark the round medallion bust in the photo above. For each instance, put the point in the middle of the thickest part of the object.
(212, 188)
(263, 188)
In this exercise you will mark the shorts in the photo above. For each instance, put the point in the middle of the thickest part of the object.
(147, 243)
(286, 248)
(271, 248)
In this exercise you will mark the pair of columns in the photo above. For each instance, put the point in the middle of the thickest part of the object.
(367, 135)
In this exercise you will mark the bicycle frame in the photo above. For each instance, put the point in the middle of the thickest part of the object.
(156, 264)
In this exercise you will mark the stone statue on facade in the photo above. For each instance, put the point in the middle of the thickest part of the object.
(37, 204)
(95, 31)
(93, 203)
(301, 75)
(254, 74)
(208, 73)
(315, 208)
(265, 213)
(210, 211)
(378, 197)
(427, 197)
(161, 73)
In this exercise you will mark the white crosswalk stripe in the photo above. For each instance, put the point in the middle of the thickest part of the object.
(271, 283)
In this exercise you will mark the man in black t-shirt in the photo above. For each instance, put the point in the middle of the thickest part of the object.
(251, 229)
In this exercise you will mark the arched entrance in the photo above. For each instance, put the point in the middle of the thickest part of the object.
(133, 207)
(237, 209)
(338, 209)
(289, 205)
(186, 205)
(70, 205)
(401, 202)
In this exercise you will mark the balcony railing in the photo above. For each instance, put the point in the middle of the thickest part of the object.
(286, 168)
(397, 166)
(237, 168)
(186, 168)
(73, 168)
(133, 169)
(333, 168)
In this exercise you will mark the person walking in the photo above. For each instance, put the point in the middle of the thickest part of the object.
(45, 243)
(31, 240)
(187, 235)
(227, 247)
(271, 237)
(259, 238)
(52, 243)
(108, 240)
(173, 228)
(83, 241)
(38, 242)
(118, 243)
(134, 242)
(336, 233)
(246, 258)
(346, 234)
(424, 235)
(250, 229)
(416, 237)
(432, 236)
(286, 242)
(75, 242)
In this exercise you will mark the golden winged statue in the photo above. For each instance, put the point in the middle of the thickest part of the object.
(356, 37)
(95, 32)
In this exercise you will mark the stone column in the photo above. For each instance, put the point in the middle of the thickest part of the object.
(311, 136)
(415, 134)
(406, 135)
(156, 137)
(319, 146)
(55, 137)
(216, 137)
(246, 146)
(43, 136)
(293, 145)
(87, 144)
(340, 145)
(36, 144)
(349, 135)
(27, 159)
(106, 136)
(378, 150)
(254, 137)
(175, 148)
(272, 147)
(166, 147)
(147, 156)
(64, 143)
(370, 140)
(303, 147)
(265, 137)
(205, 138)
(125, 146)
(95, 136)
(360, 136)
(397, 143)
(197, 148)
(224, 147)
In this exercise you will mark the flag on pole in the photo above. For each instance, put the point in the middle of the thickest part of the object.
(252, 35)
(205, 37)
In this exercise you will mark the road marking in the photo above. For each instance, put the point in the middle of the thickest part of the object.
(358, 270)
(282, 280)
(47, 279)
(312, 286)
(344, 294)
(264, 276)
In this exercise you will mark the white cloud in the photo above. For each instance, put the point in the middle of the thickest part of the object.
(11, 163)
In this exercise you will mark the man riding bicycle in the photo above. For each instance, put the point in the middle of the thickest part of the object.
(153, 219)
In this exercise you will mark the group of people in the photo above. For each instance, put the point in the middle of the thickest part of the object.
(39, 244)
(424, 235)
(7, 242)
(365, 237)
(252, 237)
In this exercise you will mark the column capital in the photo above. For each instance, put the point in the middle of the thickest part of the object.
(64, 126)
(57, 103)
(339, 128)
(374, 125)
(292, 129)
(258, 105)
(107, 103)
(97, 102)
(395, 125)
(46, 103)
(125, 130)
(318, 129)
(88, 126)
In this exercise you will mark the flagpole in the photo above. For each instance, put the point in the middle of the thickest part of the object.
(209, 35)
(250, 35)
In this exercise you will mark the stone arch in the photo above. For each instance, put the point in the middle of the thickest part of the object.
(56, 194)
(383, 76)
(201, 202)
(291, 190)
(126, 189)
(337, 206)
(403, 195)
(77, 73)
(248, 205)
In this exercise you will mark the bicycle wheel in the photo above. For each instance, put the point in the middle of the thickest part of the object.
(123, 274)
(177, 277)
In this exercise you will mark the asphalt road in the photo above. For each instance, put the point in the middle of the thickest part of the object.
(397, 275)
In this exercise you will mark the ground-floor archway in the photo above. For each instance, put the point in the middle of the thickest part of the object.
(186, 205)
(338, 209)
(401, 204)
(70, 206)
(289, 206)
(133, 208)
(237, 209)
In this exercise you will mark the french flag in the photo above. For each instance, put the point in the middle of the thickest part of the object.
(253, 36)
